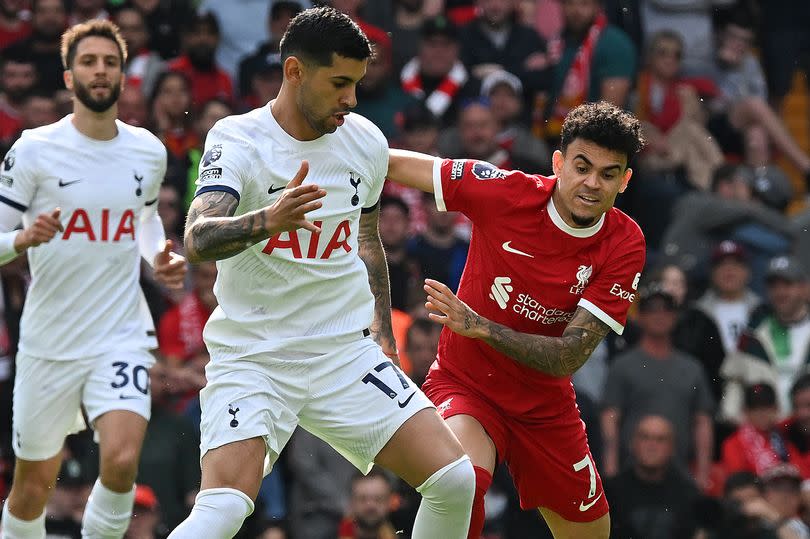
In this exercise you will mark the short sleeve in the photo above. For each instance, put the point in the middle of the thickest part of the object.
(477, 189)
(615, 287)
(18, 175)
(379, 172)
(160, 173)
(225, 164)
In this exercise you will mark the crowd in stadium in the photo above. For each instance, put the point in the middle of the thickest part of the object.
(698, 415)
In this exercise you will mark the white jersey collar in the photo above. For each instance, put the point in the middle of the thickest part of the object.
(557, 219)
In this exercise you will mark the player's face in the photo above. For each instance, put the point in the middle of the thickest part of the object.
(325, 94)
(589, 178)
(95, 76)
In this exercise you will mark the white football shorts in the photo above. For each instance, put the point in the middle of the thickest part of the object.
(49, 396)
(352, 397)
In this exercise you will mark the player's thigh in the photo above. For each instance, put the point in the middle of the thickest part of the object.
(566, 529)
(552, 467)
(119, 381)
(244, 401)
(238, 465)
(370, 411)
(46, 405)
(475, 440)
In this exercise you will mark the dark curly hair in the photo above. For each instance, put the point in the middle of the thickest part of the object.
(316, 33)
(605, 125)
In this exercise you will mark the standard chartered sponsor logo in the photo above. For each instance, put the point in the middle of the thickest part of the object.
(500, 291)
(525, 305)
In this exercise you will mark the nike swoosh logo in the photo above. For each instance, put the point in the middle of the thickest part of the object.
(128, 397)
(274, 189)
(584, 507)
(404, 404)
(63, 183)
(509, 249)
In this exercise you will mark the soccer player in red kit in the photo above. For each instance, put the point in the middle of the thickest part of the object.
(552, 268)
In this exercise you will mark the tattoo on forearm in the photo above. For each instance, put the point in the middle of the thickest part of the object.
(373, 255)
(556, 356)
(212, 233)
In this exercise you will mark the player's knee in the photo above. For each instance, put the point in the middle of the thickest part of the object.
(451, 488)
(32, 492)
(218, 513)
(119, 468)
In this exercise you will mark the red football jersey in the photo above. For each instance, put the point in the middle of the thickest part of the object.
(528, 270)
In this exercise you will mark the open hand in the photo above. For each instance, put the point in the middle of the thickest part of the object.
(289, 211)
(170, 267)
(452, 312)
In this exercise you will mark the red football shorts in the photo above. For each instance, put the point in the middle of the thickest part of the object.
(549, 460)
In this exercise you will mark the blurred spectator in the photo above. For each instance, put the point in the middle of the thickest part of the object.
(164, 19)
(758, 444)
(145, 515)
(355, 9)
(669, 107)
(796, 428)
(403, 272)
(745, 513)
(652, 498)
(505, 91)
(593, 60)
(181, 327)
(775, 347)
(143, 64)
(728, 301)
(171, 214)
(67, 502)
(370, 505)
(48, 21)
(782, 490)
(744, 97)
(436, 76)
(14, 22)
(242, 31)
(173, 124)
(39, 109)
(497, 41)
(281, 13)
(772, 187)
(210, 113)
(785, 44)
(700, 220)
(200, 37)
(380, 98)
(422, 345)
(132, 107)
(18, 77)
(439, 251)
(409, 16)
(319, 490)
(655, 378)
(170, 458)
(86, 10)
(265, 82)
(692, 19)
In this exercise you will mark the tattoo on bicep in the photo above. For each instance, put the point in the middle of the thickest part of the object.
(212, 233)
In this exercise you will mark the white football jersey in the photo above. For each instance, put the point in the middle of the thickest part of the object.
(297, 288)
(84, 298)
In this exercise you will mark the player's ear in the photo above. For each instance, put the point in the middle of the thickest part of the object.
(67, 76)
(293, 69)
(557, 162)
(627, 175)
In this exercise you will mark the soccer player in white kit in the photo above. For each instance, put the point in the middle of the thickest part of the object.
(86, 188)
(302, 334)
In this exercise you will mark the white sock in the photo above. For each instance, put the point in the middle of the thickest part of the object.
(447, 498)
(218, 513)
(107, 513)
(15, 528)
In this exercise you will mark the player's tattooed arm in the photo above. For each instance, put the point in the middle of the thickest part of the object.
(212, 233)
(556, 356)
(373, 255)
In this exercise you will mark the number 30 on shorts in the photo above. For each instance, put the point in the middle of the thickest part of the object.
(138, 375)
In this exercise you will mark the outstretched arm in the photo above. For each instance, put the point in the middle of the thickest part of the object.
(372, 253)
(413, 169)
(213, 233)
(555, 356)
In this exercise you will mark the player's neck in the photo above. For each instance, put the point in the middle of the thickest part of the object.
(286, 112)
(95, 125)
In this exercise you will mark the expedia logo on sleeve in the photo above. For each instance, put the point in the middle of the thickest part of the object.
(211, 174)
(457, 171)
(487, 171)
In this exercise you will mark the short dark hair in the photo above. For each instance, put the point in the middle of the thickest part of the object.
(390, 200)
(375, 473)
(316, 34)
(605, 125)
(802, 383)
(199, 21)
(740, 480)
(98, 28)
(282, 6)
(758, 396)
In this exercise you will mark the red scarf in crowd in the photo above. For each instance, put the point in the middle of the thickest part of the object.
(440, 99)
